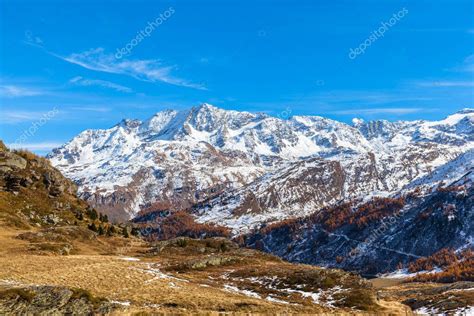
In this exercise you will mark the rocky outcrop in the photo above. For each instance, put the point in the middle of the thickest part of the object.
(23, 169)
(51, 300)
(10, 161)
(34, 193)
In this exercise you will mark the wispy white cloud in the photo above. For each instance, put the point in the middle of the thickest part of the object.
(12, 117)
(67, 113)
(373, 111)
(442, 84)
(80, 81)
(32, 39)
(100, 109)
(13, 91)
(41, 146)
(150, 70)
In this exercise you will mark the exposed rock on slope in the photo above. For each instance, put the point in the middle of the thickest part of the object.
(35, 196)
(32, 192)
(50, 300)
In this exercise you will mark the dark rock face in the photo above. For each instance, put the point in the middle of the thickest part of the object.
(51, 300)
(34, 193)
(22, 169)
(379, 243)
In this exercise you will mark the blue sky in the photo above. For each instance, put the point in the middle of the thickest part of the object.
(61, 70)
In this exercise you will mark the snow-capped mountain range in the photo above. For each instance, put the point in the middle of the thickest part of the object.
(241, 169)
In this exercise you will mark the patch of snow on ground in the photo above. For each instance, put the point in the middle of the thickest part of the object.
(275, 300)
(10, 282)
(123, 303)
(466, 311)
(403, 274)
(157, 274)
(129, 259)
(231, 288)
(426, 311)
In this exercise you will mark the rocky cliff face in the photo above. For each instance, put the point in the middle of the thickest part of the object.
(23, 169)
(244, 169)
(34, 193)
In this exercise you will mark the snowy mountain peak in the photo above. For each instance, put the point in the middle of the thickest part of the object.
(178, 158)
(129, 123)
(465, 114)
(206, 117)
(466, 111)
(208, 107)
(157, 122)
(356, 122)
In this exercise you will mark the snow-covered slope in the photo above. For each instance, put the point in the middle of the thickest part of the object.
(462, 167)
(378, 235)
(307, 185)
(219, 159)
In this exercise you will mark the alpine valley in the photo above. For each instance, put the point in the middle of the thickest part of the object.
(162, 213)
